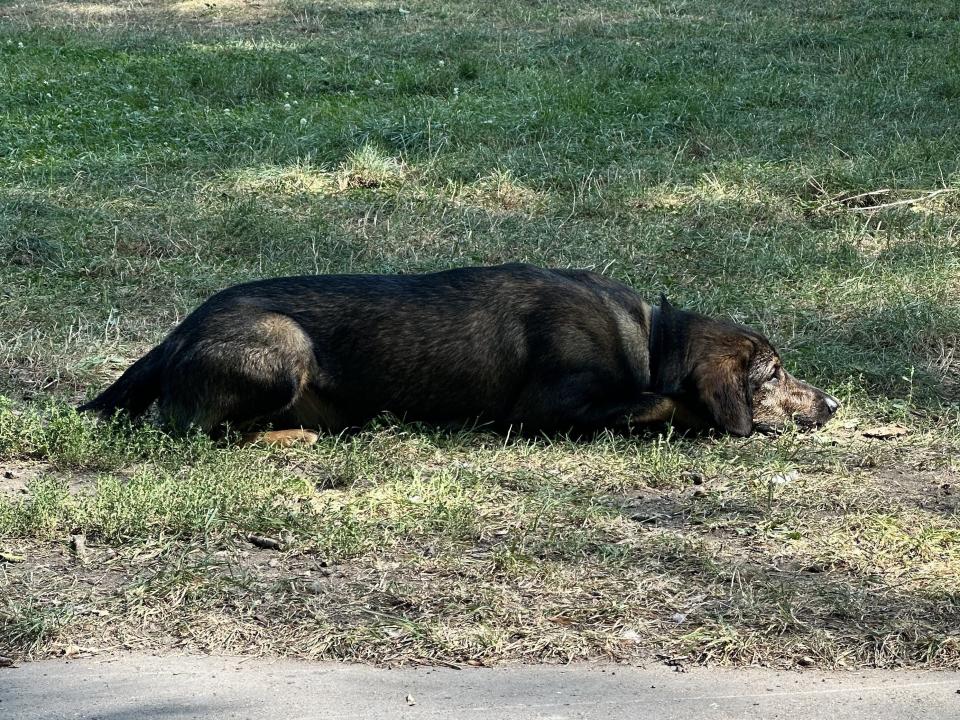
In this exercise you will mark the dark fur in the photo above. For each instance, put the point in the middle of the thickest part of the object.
(514, 345)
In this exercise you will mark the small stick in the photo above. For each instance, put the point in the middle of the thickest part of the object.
(908, 201)
(267, 543)
(841, 199)
(79, 545)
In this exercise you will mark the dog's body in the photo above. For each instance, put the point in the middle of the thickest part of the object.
(513, 345)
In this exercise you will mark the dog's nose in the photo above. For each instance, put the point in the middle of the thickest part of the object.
(832, 403)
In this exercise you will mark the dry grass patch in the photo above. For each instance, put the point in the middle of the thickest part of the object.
(402, 546)
(145, 15)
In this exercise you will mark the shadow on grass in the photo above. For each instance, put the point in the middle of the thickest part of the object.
(737, 590)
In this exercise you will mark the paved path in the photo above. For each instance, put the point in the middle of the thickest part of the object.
(175, 688)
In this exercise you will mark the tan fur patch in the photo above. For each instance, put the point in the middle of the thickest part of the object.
(281, 438)
(634, 337)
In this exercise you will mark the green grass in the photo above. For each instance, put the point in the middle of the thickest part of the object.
(731, 155)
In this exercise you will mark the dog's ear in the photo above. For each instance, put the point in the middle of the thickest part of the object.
(723, 384)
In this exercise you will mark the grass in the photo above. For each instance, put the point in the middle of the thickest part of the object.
(734, 157)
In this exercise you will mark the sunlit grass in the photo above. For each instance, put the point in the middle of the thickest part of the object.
(791, 167)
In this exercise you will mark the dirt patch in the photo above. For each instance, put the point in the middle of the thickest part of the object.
(937, 491)
(174, 596)
(659, 507)
(16, 476)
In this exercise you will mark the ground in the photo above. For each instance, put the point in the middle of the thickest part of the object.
(791, 167)
(174, 687)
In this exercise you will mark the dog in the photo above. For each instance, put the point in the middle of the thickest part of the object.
(515, 346)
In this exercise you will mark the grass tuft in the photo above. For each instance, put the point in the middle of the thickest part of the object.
(369, 167)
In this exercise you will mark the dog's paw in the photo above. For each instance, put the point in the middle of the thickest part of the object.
(281, 438)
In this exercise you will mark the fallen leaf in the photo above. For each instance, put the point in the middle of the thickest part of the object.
(884, 432)
(410, 700)
(10, 557)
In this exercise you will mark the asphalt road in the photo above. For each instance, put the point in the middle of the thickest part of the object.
(176, 688)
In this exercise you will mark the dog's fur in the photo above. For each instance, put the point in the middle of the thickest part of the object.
(514, 346)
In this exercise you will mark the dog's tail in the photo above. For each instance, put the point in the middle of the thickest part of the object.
(133, 391)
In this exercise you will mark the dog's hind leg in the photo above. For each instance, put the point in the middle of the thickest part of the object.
(252, 372)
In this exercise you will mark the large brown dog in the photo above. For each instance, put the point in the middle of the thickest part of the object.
(514, 345)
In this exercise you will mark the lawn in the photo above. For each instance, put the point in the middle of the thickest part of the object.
(792, 165)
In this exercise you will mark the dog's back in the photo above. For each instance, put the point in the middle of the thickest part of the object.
(334, 351)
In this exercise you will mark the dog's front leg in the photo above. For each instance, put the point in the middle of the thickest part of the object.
(653, 409)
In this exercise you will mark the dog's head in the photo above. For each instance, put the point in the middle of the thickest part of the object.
(737, 377)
